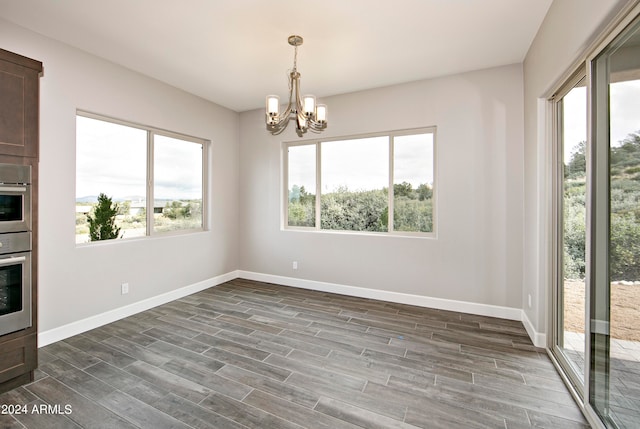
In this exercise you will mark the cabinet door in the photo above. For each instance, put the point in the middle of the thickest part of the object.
(18, 357)
(18, 110)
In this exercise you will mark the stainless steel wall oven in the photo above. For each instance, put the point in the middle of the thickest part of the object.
(15, 281)
(15, 248)
(15, 198)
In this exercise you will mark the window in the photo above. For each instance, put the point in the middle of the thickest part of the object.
(177, 184)
(381, 183)
(118, 159)
(301, 196)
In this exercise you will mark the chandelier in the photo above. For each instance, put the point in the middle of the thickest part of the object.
(307, 114)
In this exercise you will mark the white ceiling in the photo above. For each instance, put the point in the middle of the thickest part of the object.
(234, 52)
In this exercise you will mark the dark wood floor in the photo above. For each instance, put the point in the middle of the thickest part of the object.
(253, 355)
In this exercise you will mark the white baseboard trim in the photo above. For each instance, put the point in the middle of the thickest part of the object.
(384, 295)
(92, 322)
(538, 339)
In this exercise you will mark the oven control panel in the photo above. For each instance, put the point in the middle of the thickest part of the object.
(15, 242)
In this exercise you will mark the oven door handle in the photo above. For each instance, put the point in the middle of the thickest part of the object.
(13, 260)
(22, 189)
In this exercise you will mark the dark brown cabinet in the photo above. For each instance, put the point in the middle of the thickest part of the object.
(19, 105)
(19, 142)
(18, 358)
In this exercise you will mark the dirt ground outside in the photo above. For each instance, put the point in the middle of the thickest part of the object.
(625, 310)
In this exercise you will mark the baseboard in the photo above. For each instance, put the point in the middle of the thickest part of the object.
(383, 295)
(80, 326)
(538, 339)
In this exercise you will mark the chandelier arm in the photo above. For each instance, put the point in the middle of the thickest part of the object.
(317, 125)
(286, 113)
(281, 124)
(292, 88)
(301, 122)
(298, 98)
(291, 85)
(278, 129)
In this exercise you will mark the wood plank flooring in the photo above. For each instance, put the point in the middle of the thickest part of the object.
(254, 355)
(624, 379)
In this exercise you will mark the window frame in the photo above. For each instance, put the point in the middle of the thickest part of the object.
(151, 132)
(390, 196)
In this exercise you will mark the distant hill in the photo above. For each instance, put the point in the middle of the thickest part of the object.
(87, 199)
(91, 199)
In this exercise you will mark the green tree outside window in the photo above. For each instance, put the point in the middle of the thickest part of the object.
(102, 223)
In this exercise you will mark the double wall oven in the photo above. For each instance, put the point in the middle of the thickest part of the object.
(15, 248)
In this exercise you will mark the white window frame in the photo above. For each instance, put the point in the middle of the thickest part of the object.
(318, 144)
(151, 132)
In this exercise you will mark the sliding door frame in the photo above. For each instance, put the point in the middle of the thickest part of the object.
(595, 159)
(557, 219)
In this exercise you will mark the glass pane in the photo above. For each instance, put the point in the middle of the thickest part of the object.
(413, 183)
(624, 245)
(615, 297)
(301, 176)
(10, 289)
(574, 187)
(177, 178)
(11, 208)
(111, 159)
(355, 182)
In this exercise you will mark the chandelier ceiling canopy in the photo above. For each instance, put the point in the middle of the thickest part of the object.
(302, 109)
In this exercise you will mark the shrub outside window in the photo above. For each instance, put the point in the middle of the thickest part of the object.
(117, 160)
(381, 183)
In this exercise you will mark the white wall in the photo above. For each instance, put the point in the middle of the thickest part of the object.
(477, 256)
(567, 31)
(81, 282)
(491, 206)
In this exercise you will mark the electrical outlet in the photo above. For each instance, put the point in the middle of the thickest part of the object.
(124, 288)
(529, 300)
(295, 265)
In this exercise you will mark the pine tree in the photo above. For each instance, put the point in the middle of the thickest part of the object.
(102, 223)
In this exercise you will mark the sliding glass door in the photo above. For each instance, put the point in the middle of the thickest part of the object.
(615, 225)
(596, 218)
